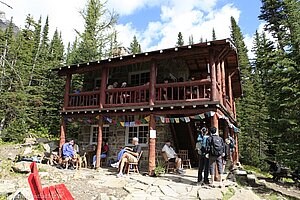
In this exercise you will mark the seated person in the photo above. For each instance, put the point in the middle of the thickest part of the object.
(130, 155)
(172, 156)
(68, 152)
(104, 152)
(120, 154)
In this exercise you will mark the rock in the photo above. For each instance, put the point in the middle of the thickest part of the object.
(241, 172)
(251, 178)
(27, 151)
(245, 195)
(21, 193)
(30, 140)
(103, 196)
(210, 194)
(7, 187)
(22, 166)
(42, 140)
(168, 191)
(47, 148)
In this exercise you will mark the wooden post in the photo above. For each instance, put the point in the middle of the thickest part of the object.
(219, 82)
(152, 83)
(223, 82)
(99, 142)
(103, 86)
(212, 66)
(236, 149)
(62, 138)
(152, 141)
(215, 123)
(230, 90)
(67, 91)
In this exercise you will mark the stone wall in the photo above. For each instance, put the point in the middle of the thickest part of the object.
(116, 141)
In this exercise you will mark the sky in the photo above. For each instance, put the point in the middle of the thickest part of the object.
(155, 23)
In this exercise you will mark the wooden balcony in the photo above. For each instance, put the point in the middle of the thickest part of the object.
(179, 92)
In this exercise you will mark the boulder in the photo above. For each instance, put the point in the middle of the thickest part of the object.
(21, 193)
(7, 187)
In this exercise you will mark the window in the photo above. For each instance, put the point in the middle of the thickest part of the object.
(97, 83)
(140, 132)
(94, 133)
(139, 78)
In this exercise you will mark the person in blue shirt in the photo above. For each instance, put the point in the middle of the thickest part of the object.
(68, 150)
(203, 160)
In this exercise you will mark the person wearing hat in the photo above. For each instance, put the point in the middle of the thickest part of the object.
(130, 155)
(203, 160)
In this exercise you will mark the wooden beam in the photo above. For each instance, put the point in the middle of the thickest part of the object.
(212, 66)
(152, 143)
(223, 74)
(219, 82)
(99, 142)
(62, 138)
(152, 83)
(104, 76)
(67, 91)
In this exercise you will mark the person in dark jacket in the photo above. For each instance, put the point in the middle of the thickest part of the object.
(215, 148)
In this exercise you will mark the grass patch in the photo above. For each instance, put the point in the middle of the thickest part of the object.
(257, 171)
(230, 192)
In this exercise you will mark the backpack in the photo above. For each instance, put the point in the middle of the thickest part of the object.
(216, 146)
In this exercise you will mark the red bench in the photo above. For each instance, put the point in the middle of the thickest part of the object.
(55, 192)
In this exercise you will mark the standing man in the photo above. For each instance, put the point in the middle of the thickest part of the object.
(215, 148)
(203, 160)
(172, 156)
(130, 155)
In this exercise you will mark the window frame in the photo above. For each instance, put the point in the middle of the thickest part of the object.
(139, 73)
(103, 137)
(127, 135)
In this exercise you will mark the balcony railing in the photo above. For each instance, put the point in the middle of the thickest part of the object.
(84, 100)
(183, 91)
(179, 92)
(138, 95)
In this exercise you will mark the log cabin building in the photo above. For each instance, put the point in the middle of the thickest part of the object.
(169, 94)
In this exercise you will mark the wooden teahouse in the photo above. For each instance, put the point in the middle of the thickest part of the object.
(169, 93)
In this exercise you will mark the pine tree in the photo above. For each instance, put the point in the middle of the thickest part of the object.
(98, 26)
(252, 137)
(282, 20)
(214, 34)
(180, 41)
(191, 40)
(135, 47)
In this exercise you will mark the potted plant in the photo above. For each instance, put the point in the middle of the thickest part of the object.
(159, 169)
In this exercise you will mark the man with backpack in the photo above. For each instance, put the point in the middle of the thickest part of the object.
(216, 150)
(203, 161)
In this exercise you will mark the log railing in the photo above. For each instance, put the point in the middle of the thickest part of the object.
(182, 91)
(139, 95)
(129, 95)
(84, 99)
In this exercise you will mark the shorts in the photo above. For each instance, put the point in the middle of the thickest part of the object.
(172, 159)
(131, 158)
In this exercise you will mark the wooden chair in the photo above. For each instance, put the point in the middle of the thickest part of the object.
(134, 166)
(169, 165)
(185, 161)
(59, 191)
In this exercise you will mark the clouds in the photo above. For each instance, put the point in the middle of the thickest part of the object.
(191, 17)
(63, 15)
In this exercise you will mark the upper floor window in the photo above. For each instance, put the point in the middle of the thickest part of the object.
(139, 131)
(139, 78)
